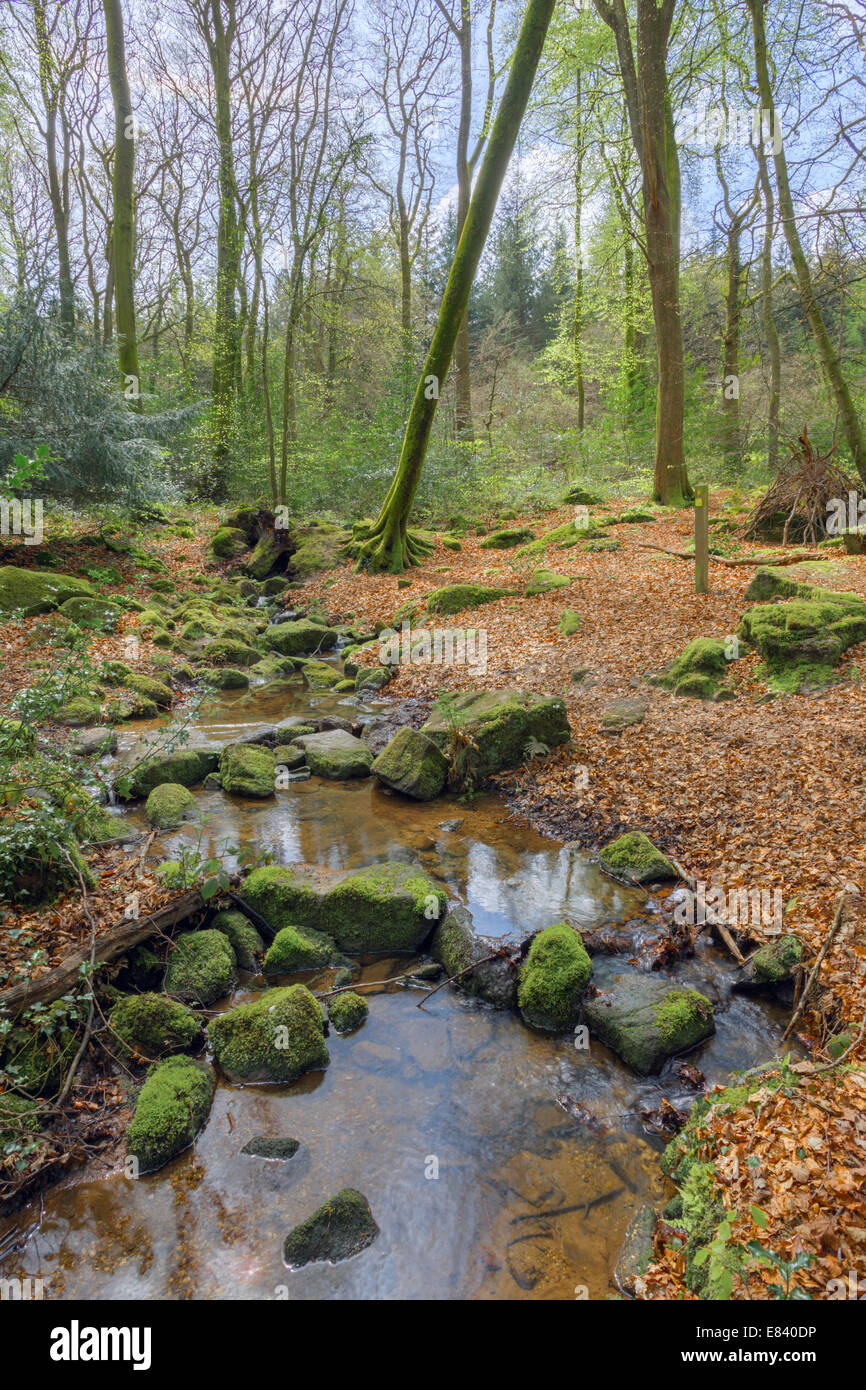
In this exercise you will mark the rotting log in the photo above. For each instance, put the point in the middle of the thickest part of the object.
(116, 942)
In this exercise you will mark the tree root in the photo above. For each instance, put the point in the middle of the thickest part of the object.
(390, 548)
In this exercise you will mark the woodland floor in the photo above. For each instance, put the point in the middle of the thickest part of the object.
(751, 793)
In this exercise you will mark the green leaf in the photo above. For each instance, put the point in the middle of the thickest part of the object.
(759, 1217)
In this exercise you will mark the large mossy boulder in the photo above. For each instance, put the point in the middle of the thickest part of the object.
(186, 767)
(169, 805)
(635, 859)
(464, 956)
(318, 547)
(341, 1227)
(319, 674)
(803, 640)
(150, 689)
(554, 976)
(201, 967)
(501, 724)
(264, 556)
(413, 765)
(335, 754)
(248, 770)
(386, 907)
(646, 1019)
(544, 581)
(276, 1038)
(152, 1025)
(700, 671)
(172, 1106)
(228, 651)
(244, 939)
(33, 591)
(453, 598)
(300, 638)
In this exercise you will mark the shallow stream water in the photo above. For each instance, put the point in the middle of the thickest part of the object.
(498, 1163)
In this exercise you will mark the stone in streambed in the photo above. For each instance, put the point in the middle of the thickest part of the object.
(169, 805)
(646, 1019)
(201, 968)
(343, 1226)
(153, 1025)
(264, 1146)
(248, 770)
(347, 1012)
(172, 1106)
(242, 935)
(413, 765)
(501, 723)
(553, 979)
(635, 859)
(298, 948)
(276, 1038)
(335, 754)
(456, 948)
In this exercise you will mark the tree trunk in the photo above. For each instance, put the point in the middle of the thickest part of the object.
(389, 546)
(731, 444)
(832, 366)
(123, 220)
(578, 262)
(772, 336)
(228, 260)
(56, 193)
(652, 126)
(462, 378)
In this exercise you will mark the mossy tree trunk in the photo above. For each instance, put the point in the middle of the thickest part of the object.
(389, 546)
(123, 220)
(829, 357)
(770, 331)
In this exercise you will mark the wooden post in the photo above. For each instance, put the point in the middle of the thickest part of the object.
(702, 539)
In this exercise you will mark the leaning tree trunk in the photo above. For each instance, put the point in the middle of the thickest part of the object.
(123, 221)
(388, 545)
(829, 358)
(462, 368)
(770, 331)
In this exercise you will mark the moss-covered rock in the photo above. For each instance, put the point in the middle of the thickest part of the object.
(151, 689)
(343, 1226)
(79, 712)
(300, 638)
(413, 765)
(508, 537)
(464, 956)
(335, 754)
(563, 537)
(245, 940)
(186, 766)
(224, 678)
(501, 725)
(452, 598)
(319, 675)
(372, 678)
(347, 1012)
(553, 978)
(36, 1060)
(228, 543)
(298, 948)
(623, 714)
(271, 1147)
(201, 967)
(168, 805)
(33, 592)
(775, 965)
(699, 671)
(318, 548)
(543, 581)
(264, 556)
(172, 1106)
(288, 756)
(248, 770)
(91, 612)
(16, 736)
(646, 1019)
(277, 1037)
(635, 859)
(225, 651)
(803, 640)
(19, 1121)
(153, 1026)
(386, 907)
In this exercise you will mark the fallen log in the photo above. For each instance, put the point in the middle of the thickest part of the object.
(724, 560)
(116, 942)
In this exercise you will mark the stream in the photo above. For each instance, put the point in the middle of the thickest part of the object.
(465, 1130)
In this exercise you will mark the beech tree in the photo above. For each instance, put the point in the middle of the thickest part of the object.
(123, 218)
(389, 544)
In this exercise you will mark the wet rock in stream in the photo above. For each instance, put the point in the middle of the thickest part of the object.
(265, 1146)
(341, 1227)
